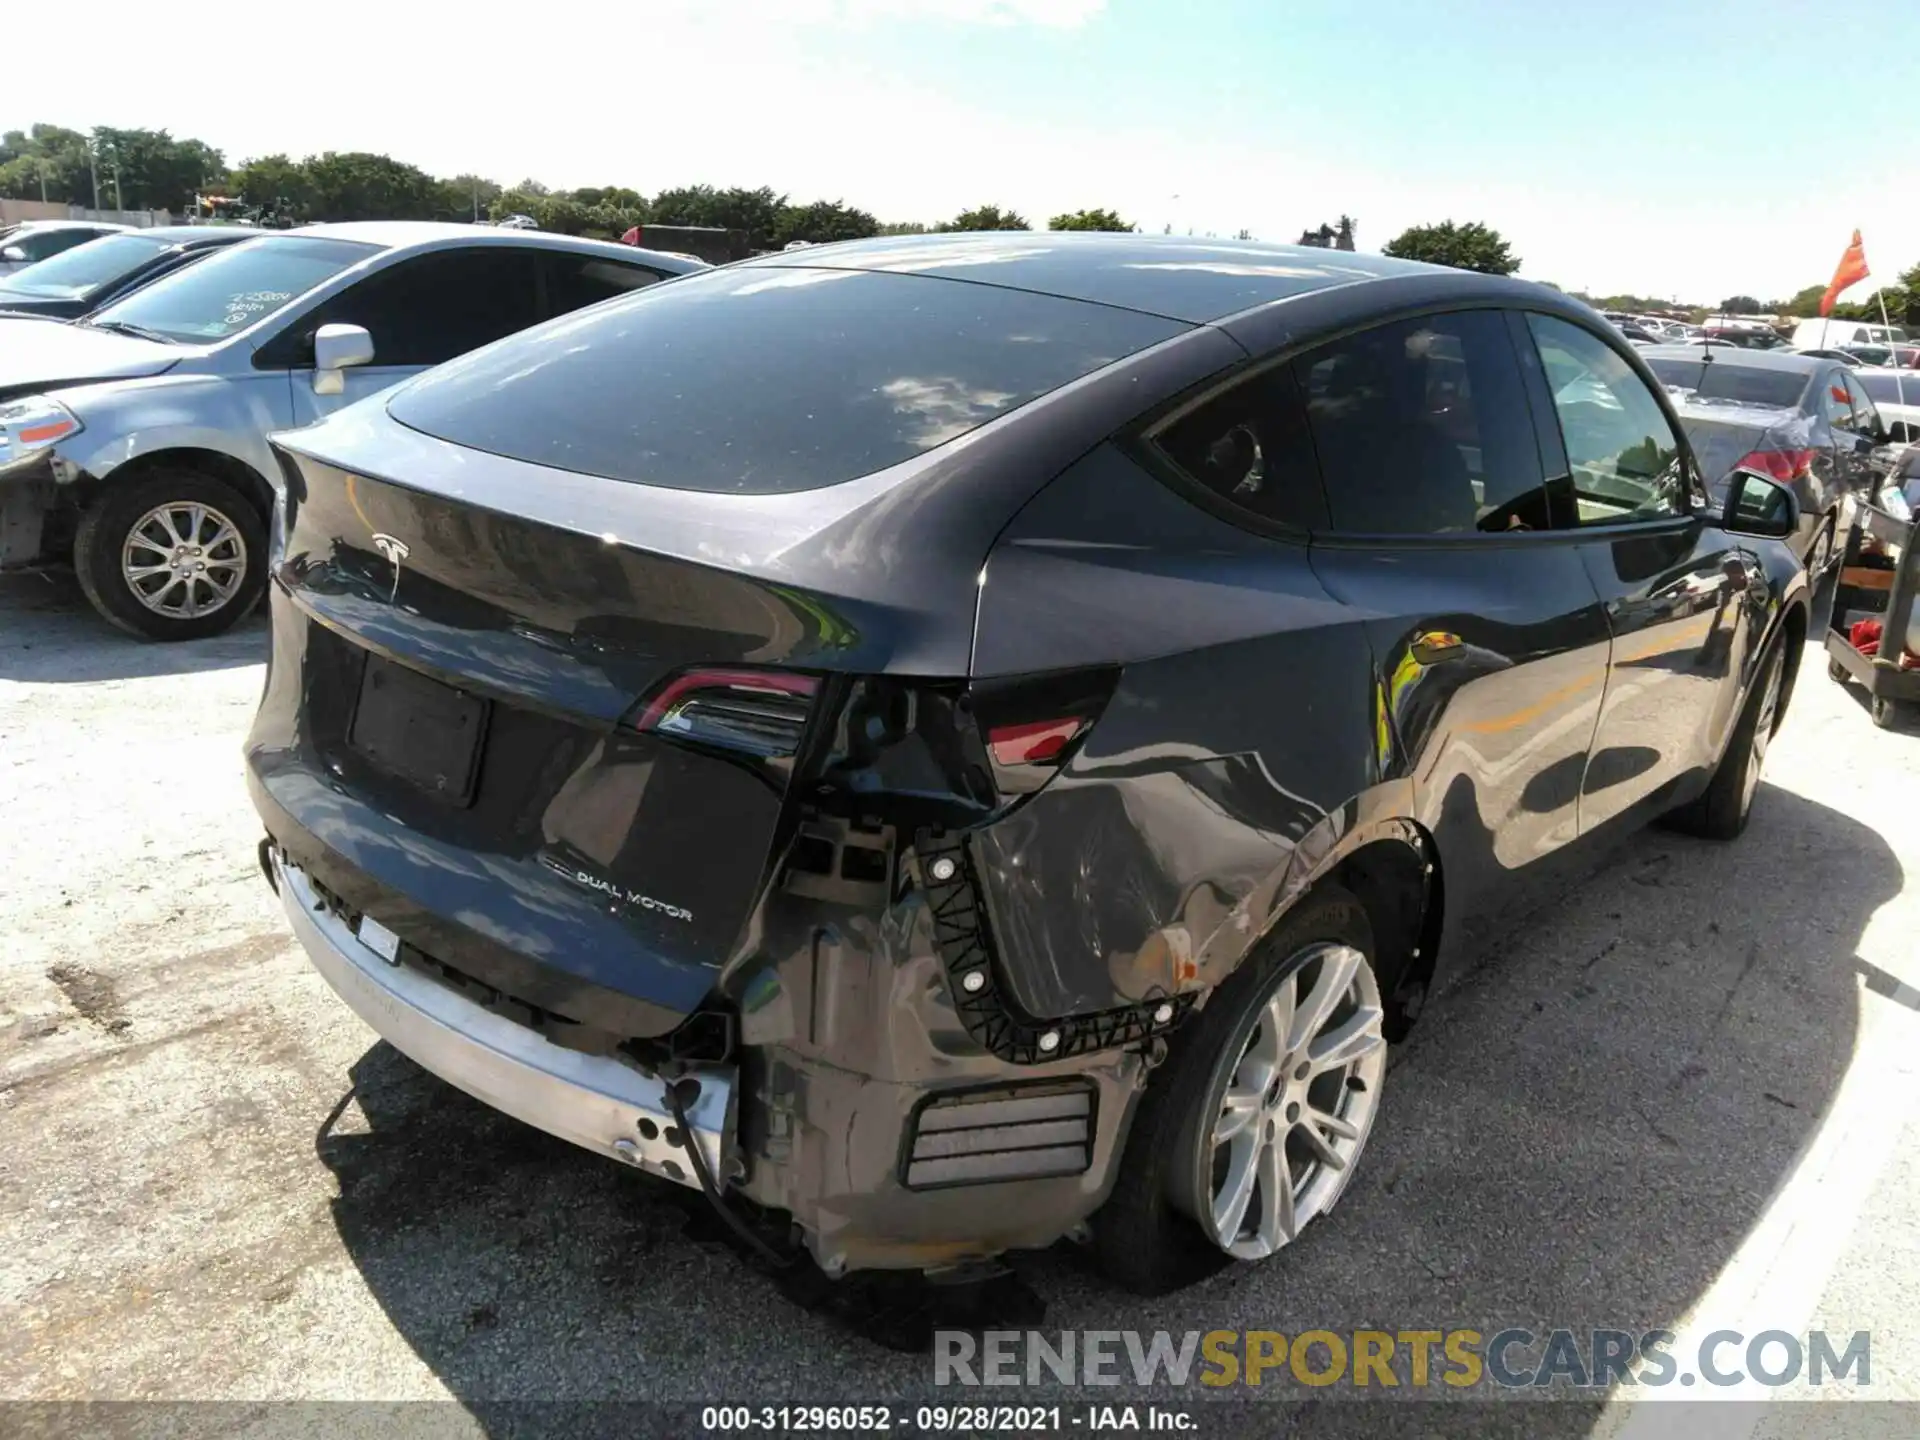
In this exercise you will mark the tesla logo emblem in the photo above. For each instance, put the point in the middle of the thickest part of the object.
(395, 551)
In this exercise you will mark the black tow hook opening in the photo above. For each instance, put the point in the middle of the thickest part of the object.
(680, 1094)
(267, 847)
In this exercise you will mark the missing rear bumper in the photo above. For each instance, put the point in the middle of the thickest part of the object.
(597, 1102)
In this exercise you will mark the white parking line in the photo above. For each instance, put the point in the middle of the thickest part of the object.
(1777, 1277)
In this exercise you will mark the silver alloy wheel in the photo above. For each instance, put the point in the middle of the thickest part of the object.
(1298, 1106)
(1763, 726)
(1821, 555)
(184, 559)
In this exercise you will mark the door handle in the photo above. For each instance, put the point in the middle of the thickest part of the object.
(1430, 647)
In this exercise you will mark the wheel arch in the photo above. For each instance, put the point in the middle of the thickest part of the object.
(1372, 848)
(1791, 627)
(215, 464)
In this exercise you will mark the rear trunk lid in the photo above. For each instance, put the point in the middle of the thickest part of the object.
(1723, 432)
(487, 715)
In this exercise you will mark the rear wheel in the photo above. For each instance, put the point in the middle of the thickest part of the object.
(1887, 714)
(173, 555)
(1722, 811)
(1820, 555)
(1256, 1122)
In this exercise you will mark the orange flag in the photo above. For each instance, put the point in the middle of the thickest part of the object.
(1853, 269)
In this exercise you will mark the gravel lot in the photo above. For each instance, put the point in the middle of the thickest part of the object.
(1688, 1087)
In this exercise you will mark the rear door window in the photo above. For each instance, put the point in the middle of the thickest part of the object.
(1866, 419)
(1624, 459)
(43, 244)
(761, 380)
(1249, 448)
(1422, 428)
(1836, 403)
(576, 281)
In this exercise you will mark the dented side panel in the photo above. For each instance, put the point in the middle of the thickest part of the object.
(1157, 856)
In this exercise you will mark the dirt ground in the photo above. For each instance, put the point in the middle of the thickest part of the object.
(1686, 1090)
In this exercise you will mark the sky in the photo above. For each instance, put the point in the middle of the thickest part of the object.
(1690, 148)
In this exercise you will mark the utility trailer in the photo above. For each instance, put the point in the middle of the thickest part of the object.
(1879, 575)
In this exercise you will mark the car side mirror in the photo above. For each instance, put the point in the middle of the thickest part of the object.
(335, 348)
(13, 253)
(1759, 505)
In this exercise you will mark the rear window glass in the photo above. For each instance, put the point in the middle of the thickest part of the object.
(1730, 381)
(763, 380)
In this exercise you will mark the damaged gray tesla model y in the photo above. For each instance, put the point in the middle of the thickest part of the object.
(953, 742)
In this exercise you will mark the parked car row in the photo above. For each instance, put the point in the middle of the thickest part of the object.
(1845, 334)
(889, 719)
(31, 241)
(1806, 421)
(134, 441)
(91, 276)
(1890, 357)
(1651, 329)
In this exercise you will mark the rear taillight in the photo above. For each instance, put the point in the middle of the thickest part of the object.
(1034, 724)
(754, 712)
(1036, 742)
(1780, 464)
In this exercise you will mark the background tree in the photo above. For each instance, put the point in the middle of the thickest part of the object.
(618, 196)
(276, 183)
(823, 221)
(154, 171)
(905, 227)
(1471, 246)
(755, 211)
(1804, 302)
(150, 170)
(1740, 305)
(987, 217)
(464, 197)
(49, 157)
(1090, 220)
(356, 185)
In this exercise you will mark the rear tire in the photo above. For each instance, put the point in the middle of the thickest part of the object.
(1887, 714)
(194, 547)
(1821, 555)
(1722, 810)
(1145, 1237)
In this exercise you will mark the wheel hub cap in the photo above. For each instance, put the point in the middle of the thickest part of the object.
(183, 560)
(1297, 1106)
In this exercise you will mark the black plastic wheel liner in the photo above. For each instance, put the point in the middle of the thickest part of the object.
(992, 1017)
